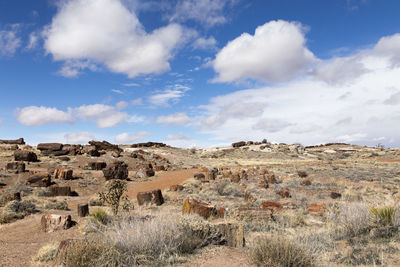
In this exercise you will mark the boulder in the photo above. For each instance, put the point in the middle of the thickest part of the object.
(116, 170)
(159, 168)
(199, 176)
(335, 195)
(63, 174)
(302, 174)
(176, 187)
(56, 190)
(211, 174)
(24, 155)
(150, 197)
(50, 146)
(285, 193)
(39, 180)
(98, 165)
(16, 167)
(83, 210)
(105, 146)
(239, 144)
(19, 141)
(232, 234)
(52, 222)
(145, 171)
(306, 182)
(200, 207)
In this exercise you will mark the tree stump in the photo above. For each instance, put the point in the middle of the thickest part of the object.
(83, 210)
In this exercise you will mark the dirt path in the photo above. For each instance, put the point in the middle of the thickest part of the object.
(162, 181)
(21, 240)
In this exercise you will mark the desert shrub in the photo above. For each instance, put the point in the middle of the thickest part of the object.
(227, 188)
(42, 192)
(127, 205)
(100, 216)
(383, 216)
(351, 220)
(136, 241)
(96, 201)
(113, 194)
(15, 210)
(56, 205)
(5, 198)
(46, 253)
(362, 255)
(280, 251)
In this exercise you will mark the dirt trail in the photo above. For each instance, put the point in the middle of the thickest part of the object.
(20, 241)
(162, 181)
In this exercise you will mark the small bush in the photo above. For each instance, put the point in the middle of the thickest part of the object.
(280, 251)
(24, 207)
(100, 216)
(383, 216)
(56, 205)
(46, 253)
(115, 190)
(96, 201)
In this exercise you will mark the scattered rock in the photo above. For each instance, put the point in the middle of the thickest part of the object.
(83, 210)
(176, 187)
(233, 234)
(316, 207)
(148, 144)
(105, 146)
(285, 193)
(56, 190)
(24, 155)
(116, 170)
(145, 171)
(335, 195)
(302, 174)
(98, 165)
(16, 167)
(239, 144)
(150, 197)
(199, 176)
(39, 180)
(305, 182)
(271, 206)
(49, 146)
(63, 174)
(249, 197)
(52, 222)
(270, 178)
(200, 207)
(19, 141)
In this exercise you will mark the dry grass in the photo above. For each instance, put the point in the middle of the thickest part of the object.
(46, 253)
(280, 251)
(15, 210)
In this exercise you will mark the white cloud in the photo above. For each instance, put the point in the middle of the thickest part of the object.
(131, 84)
(9, 41)
(207, 12)
(137, 101)
(73, 68)
(135, 119)
(122, 105)
(106, 32)
(126, 138)
(360, 106)
(275, 53)
(33, 41)
(35, 116)
(177, 137)
(175, 119)
(104, 115)
(117, 91)
(203, 43)
(1, 122)
(78, 138)
(169, 96)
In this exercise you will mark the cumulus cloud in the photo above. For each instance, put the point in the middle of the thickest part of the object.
(171, 95)
(360, 107)
(137, 101)
(175, 119)
(35, 116)
(78, 138)
(105, 32)
(104, 115)
(9, 41)
(122, 105)
(208, 12)
(126, 138)
(276, 52)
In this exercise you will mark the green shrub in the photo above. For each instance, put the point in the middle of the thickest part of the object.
(383, 216)
(281, 252)
(115, 190)
(100, 216)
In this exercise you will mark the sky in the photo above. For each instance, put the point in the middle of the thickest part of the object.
(200, 73)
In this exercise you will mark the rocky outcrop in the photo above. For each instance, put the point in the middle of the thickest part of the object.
(200, 207)
(105, 146)
(176, 187)
(145, 171)
(97, 165)
(24, 155)
(239, 144)
(148, 144)
(52, 222)
(116, 170)
(19, 141)
(150, 197)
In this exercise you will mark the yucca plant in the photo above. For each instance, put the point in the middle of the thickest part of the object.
(383, 216)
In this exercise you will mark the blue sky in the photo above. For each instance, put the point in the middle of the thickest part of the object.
(200, 72)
